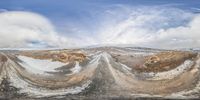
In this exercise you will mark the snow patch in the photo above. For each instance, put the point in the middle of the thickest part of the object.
(37, 92)
(38, 66)
(172, 73)
(125, 67)
(77, 68)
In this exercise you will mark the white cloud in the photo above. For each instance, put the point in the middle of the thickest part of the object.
(179, 37)
(140, 26)
(27, 29)
(152, 27)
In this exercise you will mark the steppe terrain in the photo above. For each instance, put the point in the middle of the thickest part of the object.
(99, 73)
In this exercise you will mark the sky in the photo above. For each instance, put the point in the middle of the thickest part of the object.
(82, 23)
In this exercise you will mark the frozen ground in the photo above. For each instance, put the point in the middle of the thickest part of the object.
(101, 75)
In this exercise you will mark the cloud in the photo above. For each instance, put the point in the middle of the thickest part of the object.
(159, 27)
(179, 37)
(27, 29)
(3, 10)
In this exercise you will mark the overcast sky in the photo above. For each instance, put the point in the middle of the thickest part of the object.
(78, 23)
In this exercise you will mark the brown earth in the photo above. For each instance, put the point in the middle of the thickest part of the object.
(62, 56)
(3, 58)
(159, 62)
(108, 77)
(166, 60)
